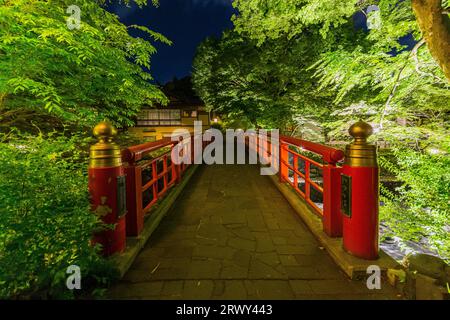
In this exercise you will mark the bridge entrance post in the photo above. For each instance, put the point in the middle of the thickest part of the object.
(360, 195)
(107, 189)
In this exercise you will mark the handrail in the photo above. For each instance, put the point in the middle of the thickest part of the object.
(330, 173)
(163, 174)
(329, 154)
(304, 183)
(137, 153)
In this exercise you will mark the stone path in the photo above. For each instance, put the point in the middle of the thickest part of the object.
(231, 235)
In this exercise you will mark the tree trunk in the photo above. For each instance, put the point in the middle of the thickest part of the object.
(435, 26)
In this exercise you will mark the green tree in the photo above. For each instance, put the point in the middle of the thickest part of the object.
(266, 84)
(269, 19)
(54, 75)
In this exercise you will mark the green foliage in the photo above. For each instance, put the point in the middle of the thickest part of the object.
(272, 19)
(419, 208)
(266, 85)
(75, 76)
(45, 221)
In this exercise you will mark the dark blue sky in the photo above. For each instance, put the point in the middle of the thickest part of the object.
(185, 22)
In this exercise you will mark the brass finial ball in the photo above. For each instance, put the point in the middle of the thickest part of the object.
(105, 131)
(361, 130)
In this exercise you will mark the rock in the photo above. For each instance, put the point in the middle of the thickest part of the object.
(447, 274)
(428, 289)
(409, 288)
(425, 264)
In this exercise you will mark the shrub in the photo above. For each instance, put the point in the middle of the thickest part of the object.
(418, 209)
(45, 222)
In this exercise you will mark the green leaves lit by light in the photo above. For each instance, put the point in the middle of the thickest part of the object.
(75, 76)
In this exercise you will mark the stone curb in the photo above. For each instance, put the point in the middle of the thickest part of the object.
(353, 267)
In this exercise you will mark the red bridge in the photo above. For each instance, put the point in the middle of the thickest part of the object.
(217, 231)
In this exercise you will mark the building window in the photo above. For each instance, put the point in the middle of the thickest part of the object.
(190, 114)
(164, 117)
(169, 117)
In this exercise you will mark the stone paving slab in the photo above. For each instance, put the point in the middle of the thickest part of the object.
(231, 235)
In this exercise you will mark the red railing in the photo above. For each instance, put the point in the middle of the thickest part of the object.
(317, 181)
(150, 173)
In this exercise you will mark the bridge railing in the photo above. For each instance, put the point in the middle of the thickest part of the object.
(316, 178)
(302, 173)
(150, 173)
(125, 186)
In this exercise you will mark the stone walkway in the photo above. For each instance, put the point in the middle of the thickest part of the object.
(231, 235)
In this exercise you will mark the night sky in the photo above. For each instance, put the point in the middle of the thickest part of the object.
(186, 23)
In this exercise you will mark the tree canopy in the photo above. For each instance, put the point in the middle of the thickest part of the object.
(60, 75)
(267, 19)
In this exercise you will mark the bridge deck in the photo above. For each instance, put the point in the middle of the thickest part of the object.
(232, 235)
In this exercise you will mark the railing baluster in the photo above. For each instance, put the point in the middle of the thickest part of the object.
(331, 190)
(307, 180)
(284, 158)
(134, 184)
(295, 173)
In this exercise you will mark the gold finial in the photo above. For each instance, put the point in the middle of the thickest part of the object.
(361, 131)
(105, 131)
(360, 153)
(105, 153)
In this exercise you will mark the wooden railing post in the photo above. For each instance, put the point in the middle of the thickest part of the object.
(284, 158)
(332, 217)
(135, 216)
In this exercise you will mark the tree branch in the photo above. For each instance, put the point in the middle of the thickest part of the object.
(417, 67)
(396, 84)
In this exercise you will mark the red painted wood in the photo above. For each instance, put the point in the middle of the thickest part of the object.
(332, 217)
(329, 154)
(103, 191)
(360, 231)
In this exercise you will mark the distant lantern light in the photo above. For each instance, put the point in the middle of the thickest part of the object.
(216, 120)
